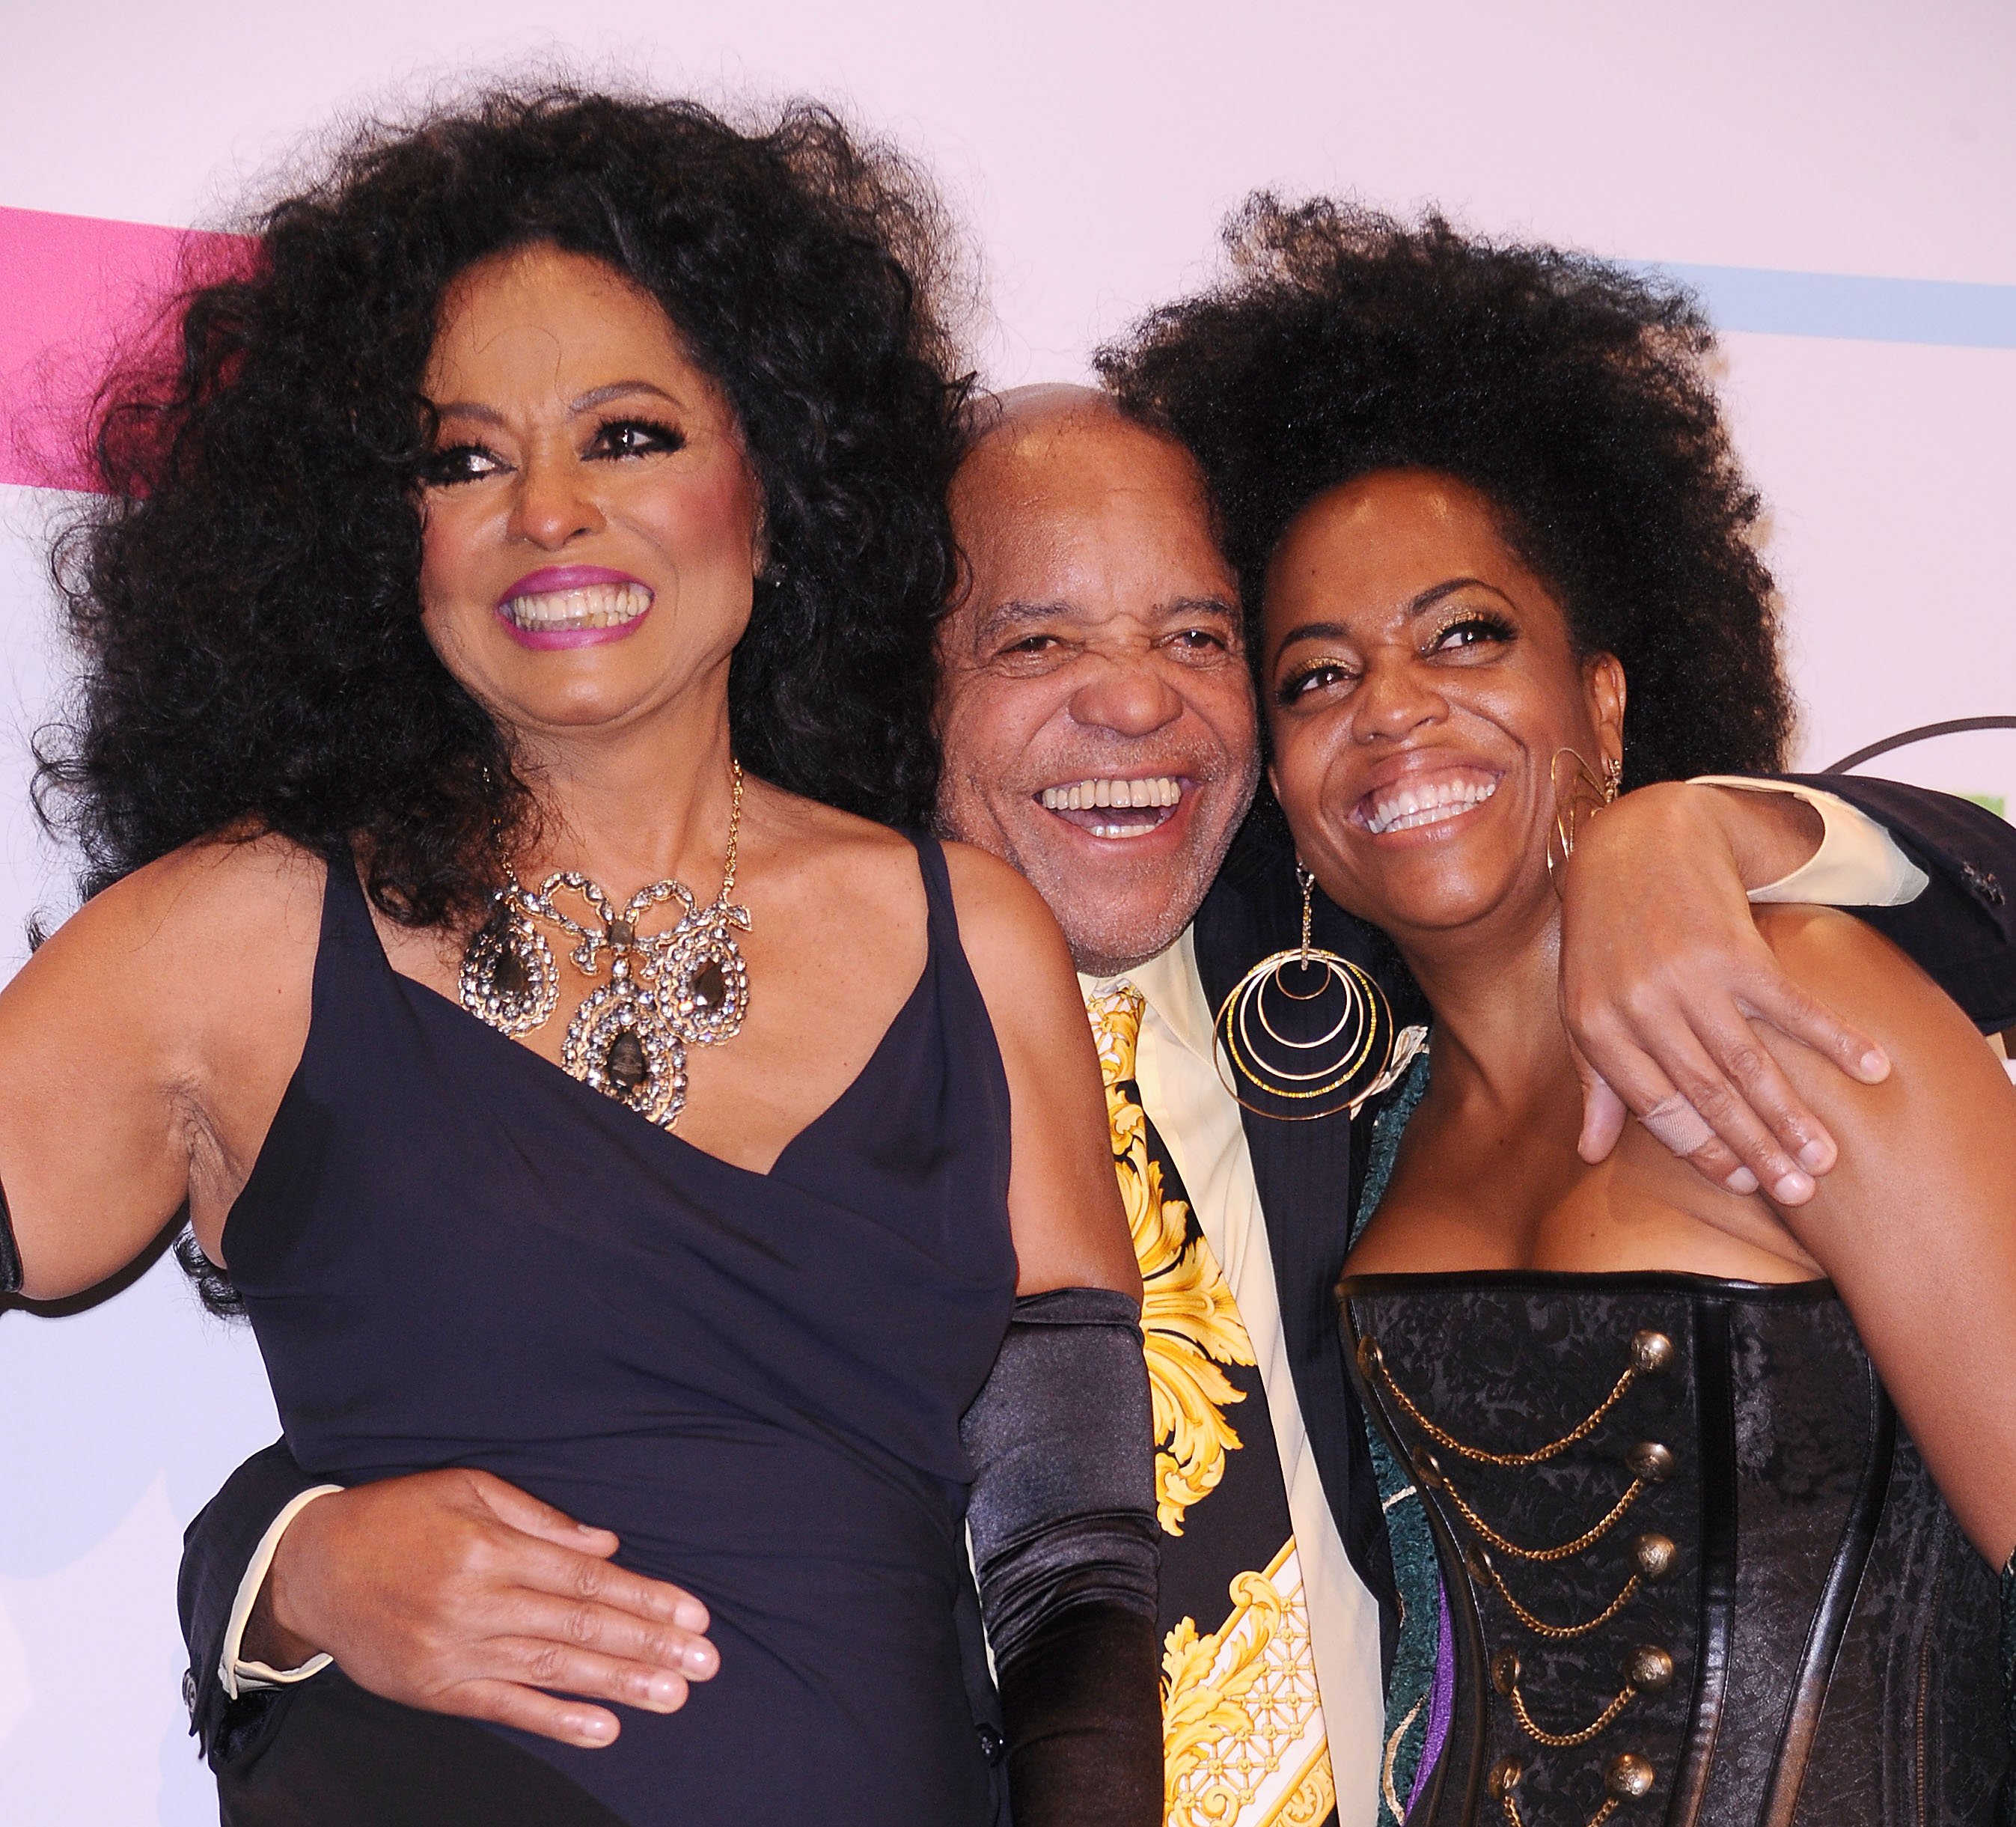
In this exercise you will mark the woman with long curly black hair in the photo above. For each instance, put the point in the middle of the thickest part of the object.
(1695, 1496)
(550, 516)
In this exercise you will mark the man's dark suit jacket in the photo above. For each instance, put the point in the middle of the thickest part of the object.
(1962, 931)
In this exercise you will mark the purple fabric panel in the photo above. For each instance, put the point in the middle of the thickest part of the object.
(1442, 1703)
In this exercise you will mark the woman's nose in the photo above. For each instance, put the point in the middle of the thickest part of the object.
(1395, 699)
(1128, 696)
(555, 503)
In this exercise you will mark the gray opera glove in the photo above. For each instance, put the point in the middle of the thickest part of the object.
(1067, 1546)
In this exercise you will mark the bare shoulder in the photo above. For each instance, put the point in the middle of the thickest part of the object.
(840, 861)
(221, 900)
(1000, 915)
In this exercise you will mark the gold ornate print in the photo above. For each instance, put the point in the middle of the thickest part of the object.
(1188, 1317)
(1242, 1727)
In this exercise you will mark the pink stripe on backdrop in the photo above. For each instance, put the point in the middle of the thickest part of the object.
(73, 290)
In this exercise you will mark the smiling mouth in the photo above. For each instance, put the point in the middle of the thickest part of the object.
(1428, 800)
(592, 606)
(1115, 808)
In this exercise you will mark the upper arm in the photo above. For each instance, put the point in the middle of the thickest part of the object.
(1916, 1225)
(133, 1040)
(1063, 1199)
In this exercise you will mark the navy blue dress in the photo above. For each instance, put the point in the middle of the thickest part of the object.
(454, 1254)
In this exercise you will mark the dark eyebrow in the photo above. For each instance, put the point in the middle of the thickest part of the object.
(1017, 612)
(596, 396)
(1416, 606)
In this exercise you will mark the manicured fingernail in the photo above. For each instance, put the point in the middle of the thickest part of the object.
(1816, 1157)
(1795, 1189)
(599, 1729)
(1875, 1063)
(1742, 1181)
(666, 1690)
(690, 1614)
(700, 1658)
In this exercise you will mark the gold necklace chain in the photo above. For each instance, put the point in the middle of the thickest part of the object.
(686, 986)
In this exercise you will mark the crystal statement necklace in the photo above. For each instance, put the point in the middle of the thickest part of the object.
(685, 987)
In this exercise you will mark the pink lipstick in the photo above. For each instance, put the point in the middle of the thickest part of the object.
(573, 606)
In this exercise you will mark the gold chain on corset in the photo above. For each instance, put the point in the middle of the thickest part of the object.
(1516, 1819)
(1589, 1538)
(1539, 1626)
(1650, 1353)
(1647, 1669)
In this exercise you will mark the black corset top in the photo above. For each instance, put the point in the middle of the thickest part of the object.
(1693, 1571)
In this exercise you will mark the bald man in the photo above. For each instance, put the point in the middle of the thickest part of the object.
(1100, 733)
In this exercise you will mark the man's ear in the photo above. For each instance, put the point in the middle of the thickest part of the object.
(1603, 682)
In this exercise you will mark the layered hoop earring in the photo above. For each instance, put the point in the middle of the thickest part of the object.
(1350, 1060)
(1576, 801)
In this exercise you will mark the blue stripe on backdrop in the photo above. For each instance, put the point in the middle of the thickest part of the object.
(1774, 302)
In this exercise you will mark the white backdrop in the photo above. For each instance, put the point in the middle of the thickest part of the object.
(1838, 179)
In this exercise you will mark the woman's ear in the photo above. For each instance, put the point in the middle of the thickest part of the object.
(1603, 682)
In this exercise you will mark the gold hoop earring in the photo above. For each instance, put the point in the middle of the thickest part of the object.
(1314, 1074)
(1585, 796)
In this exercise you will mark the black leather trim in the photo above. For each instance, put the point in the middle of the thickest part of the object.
(1830, 1625)
(1715, 1406)
(1472, 1680)
(1570, 1281)
(10, 1253)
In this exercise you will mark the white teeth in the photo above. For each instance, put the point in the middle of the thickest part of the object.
(593, 606)
(1083, 795)
(1425, 803)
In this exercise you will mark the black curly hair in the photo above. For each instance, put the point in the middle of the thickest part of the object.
(1571, 393)
(246, 595)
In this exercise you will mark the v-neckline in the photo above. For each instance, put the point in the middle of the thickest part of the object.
(602, 1099)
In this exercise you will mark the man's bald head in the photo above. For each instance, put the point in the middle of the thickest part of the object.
(1097, 717)
(1052, 403)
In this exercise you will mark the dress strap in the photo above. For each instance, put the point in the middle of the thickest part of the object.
(343, 907)
(943, 915)
(349, 944)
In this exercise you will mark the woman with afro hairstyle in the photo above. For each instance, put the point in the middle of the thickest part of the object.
(506, 649)
(1694, 1497)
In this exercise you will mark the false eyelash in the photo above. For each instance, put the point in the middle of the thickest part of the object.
(438, 468)
(1496, 626)
(1286, 692)
(669, 436)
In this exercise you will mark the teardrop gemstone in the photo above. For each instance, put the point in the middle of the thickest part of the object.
(510, 977)
(708, 985)
(625, 1061)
